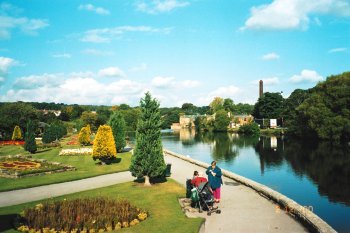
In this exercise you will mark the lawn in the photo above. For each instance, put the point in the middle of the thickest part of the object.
(86, 167)
(160, 200)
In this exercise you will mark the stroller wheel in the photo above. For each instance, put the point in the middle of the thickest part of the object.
(200, 211)
(218, 211)
(209, 213)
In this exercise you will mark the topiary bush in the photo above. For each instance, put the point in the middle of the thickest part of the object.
(117, 124)
(17, 134)
(104, 146)
(30, 143)
(84, 136)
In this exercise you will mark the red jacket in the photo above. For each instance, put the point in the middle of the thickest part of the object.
(197, 180)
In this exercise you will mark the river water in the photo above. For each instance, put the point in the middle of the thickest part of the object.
(316, 175)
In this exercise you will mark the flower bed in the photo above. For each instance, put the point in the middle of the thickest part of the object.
(12, 142)
(73, 140)
(80, 215)
(19, 166)
(74, 152)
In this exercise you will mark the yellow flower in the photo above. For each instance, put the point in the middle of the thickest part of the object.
(142, 216)
(134, 222)
(39, 206)
(125, 224)
(118, 226)
(101, 230)
(23, 228)
(46, 230)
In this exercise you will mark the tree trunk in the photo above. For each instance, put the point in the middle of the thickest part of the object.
(147, 183)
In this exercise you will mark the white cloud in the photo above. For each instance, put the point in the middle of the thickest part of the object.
(190, 83)
(62, 55)
(37, 81)
(111, 72)
(79, 87)
(171, 83)
(158, 6)
(306, 76)
(105, 35)
(5, 64)
(163, 82)
(139, 68)
(97, 10)
(96, 52)
(270, 56)
(26, 25)
(293, 14)
(337, 50)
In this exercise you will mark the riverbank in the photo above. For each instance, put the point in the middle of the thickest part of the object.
(251, 205)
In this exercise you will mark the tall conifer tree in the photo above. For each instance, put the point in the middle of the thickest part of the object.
(117, 124)
(30, 144)
(148, 160)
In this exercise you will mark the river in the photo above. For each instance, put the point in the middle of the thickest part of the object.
(316, 175)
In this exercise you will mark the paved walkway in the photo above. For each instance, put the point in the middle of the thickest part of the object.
(243, 210)
(53, 190)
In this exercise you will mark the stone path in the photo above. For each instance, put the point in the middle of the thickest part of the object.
(243, 210)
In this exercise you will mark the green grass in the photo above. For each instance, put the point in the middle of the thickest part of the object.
(86, 167)
(160, 200)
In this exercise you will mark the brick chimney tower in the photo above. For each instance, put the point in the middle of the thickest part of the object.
(261, 88)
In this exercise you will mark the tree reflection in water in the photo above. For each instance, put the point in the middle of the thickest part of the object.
(327, 166)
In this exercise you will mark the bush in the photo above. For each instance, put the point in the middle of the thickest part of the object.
(249, 129)
(104, 145)
(84, 136)
(17, 134)
(89, 214)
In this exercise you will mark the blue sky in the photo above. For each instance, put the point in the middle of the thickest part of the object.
(112, 51)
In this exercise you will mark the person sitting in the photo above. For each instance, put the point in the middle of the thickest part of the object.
(198, 178)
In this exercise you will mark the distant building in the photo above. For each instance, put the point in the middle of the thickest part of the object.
(239, 120)
(186, 122)
(56, 112)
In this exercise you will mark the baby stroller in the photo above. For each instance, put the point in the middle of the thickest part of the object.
(203, 198)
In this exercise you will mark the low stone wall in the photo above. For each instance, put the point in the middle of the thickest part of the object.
(311, 220)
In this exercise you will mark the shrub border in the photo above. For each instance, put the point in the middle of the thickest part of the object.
(304, 215)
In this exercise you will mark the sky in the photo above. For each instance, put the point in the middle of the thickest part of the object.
(109, 52)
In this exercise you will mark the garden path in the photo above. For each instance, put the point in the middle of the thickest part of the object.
(15, 197)
(242, 209)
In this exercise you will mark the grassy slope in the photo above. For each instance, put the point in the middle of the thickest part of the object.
(160, 200)
(86, 167)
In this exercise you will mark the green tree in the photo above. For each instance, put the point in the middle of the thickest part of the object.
(90, 118)
(17, 133)
(270, 106)
(148, 160)
(12, 114)
(117, 123)
(30, 143)
(222, 121)
(229, 105)
(53, 132)
(131, 117)
(216, 105)
(104, 145)
(325, 113)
